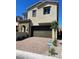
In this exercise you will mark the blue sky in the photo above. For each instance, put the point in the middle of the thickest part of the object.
(22, 5)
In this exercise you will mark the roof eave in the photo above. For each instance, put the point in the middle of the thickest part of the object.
(40, 2)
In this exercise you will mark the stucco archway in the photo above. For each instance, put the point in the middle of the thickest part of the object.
(23, 28)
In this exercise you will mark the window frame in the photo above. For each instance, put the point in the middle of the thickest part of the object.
(46, 10)
(33, 13)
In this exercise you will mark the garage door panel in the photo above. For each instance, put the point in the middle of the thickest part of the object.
(42, 33)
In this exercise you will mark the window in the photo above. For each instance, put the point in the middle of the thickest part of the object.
(34, 13)
(46, 10)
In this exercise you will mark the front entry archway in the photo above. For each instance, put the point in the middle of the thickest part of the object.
(23, 28)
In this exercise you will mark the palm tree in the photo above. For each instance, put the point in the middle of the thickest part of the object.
(54, 26)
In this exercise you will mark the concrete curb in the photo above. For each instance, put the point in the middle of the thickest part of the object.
(27, 55)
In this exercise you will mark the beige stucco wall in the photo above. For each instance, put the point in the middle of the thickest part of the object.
(40, 17)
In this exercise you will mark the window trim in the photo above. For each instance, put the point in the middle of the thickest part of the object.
(45, 12)
(34, 13)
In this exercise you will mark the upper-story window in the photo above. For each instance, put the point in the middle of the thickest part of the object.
(46, 10)
(34, 13)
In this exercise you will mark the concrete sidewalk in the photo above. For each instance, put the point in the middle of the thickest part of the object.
(27, 55)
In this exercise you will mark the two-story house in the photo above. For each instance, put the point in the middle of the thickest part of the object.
(42, 14)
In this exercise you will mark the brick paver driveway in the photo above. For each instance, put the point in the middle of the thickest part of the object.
(34, 44)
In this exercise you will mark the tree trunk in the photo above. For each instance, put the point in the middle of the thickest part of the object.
(53, 34)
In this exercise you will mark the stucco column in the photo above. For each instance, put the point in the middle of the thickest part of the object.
(53, 35)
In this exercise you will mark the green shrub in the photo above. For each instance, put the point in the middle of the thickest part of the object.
(55, 43)
(52, 51)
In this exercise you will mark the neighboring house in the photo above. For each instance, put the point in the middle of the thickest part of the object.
(41, 15)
